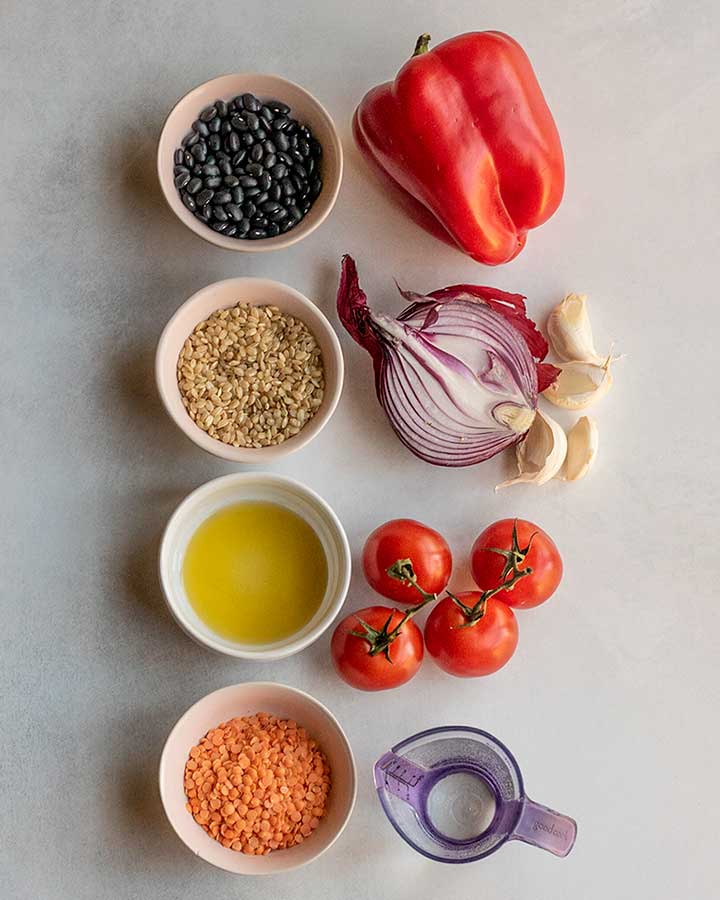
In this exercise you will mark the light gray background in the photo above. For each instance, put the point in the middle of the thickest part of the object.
(611, 702)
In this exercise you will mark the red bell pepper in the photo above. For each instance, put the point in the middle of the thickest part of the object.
(465, 133)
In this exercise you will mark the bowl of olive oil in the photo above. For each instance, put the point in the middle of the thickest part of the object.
(254, 565)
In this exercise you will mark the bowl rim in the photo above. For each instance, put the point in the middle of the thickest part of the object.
(264, 245)
(293, 646)
(252, 455)
(272, 685)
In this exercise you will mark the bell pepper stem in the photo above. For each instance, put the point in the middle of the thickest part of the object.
(422, 44)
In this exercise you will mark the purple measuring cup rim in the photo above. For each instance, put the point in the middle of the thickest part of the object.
(444, 729)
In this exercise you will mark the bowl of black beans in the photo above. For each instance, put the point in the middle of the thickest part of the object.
(250, 162)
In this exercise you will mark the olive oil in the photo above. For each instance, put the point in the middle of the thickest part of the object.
(255, 572)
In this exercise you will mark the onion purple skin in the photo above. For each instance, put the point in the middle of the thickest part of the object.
(449, 365)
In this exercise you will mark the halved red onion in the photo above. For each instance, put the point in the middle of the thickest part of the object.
(457, 372)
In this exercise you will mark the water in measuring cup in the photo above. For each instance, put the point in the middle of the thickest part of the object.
(461, 806)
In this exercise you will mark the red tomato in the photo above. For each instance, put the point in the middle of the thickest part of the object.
(407, 539)
(351, 654)
(542, 557)
(478, 649)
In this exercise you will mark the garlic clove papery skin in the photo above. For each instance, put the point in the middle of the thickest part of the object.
(570, 333)
(580, 384)
(541, 454)
(582, 447)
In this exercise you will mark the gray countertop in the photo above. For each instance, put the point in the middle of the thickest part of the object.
(611, 702)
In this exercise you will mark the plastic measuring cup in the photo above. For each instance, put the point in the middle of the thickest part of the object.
(456, 794)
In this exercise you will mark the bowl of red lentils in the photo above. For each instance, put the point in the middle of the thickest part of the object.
(258, 778)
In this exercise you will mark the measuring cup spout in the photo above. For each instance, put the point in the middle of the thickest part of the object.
(399, 776)
(544, 828)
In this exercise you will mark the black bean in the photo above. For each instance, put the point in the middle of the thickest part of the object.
(249, 209)
(223, 197)
(315, 148)
(306, 206)
(251, 102)
(278, 106)
(270, 160)
(310, 165)
(315, 187)
(252, 192)
(278, 215)
(247, 139)
(280, 124)
(260, 134)
(221, 107)
(231, 181)
(192, 137)
(226, 128)
(285, 158)
(279, 171)
(226, 168)
(275, 192)
(247, 181)
(288, 188)
(266, 113)
(219, 226)
(238, 158)
(293, 211)
(243, 227)
(213, 181)
(214, 142)
(293, 141)
(236, 102)
(270, 206)
(211, 159)
(261, 198)
(239, 122)
(304, 147)
(233, 142)
(297, 156)
(197, 170)
(182, 178)
(252, 120)
(200, 214)
(207, 211)
(208, 113)
(230, 232)
(201, 128)
(194, 185)
(259, 221)
(234, 211)
(199, 151)
(221, 154)
(256, 153)
(219, 213)
(265, 181)
(179, 156)
(189, 159)
(269, 146)
(282, 141)
(291, 127)
(254, 169)
(215, 125)
(256, 234)
(210, 169)
(178, 170)
(237, 195)
(189, 202)
(273, 230)
(204, 196)
(287, 224)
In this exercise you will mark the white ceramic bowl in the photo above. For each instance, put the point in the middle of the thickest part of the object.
(304, 107)
(243, 700)
(260, 292)
(263, 486)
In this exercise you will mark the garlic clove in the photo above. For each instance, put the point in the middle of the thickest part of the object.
(568, 327)
(579, 384)
(582, 447)
(541, 454)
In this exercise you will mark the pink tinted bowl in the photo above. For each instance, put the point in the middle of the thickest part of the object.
(244, 700)
(259, 292)
(303, 107)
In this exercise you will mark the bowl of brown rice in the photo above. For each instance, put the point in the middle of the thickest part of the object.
(249, 369)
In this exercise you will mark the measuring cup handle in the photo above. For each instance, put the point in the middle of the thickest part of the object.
(545, 828)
